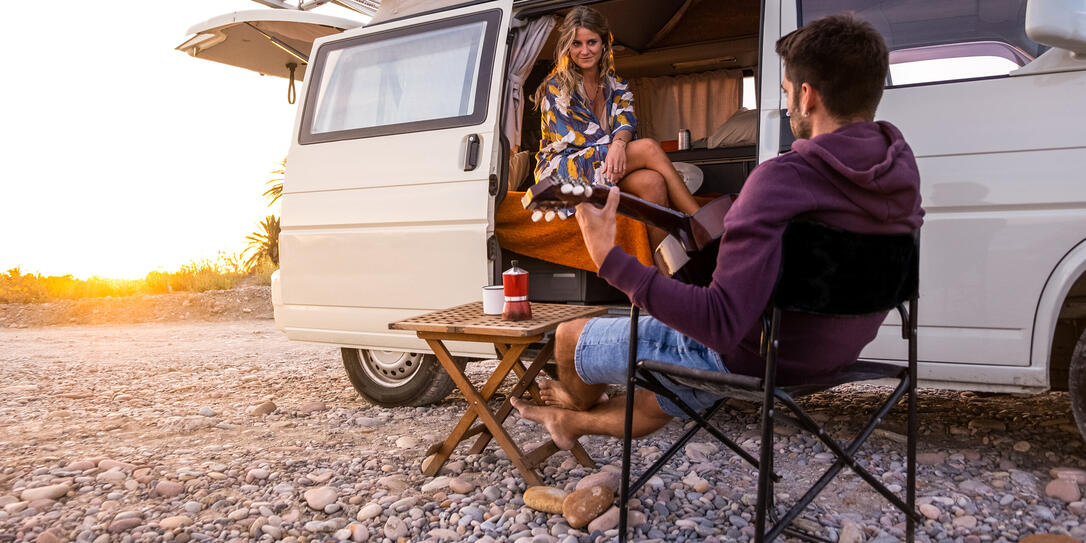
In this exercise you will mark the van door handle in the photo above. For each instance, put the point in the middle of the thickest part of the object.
(471, 156)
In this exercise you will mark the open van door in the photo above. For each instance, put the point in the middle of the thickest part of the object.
(390, 188)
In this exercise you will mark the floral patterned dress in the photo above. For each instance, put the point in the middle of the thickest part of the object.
(574, 143)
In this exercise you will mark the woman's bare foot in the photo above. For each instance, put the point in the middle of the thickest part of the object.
(554, 394)
(550, 418)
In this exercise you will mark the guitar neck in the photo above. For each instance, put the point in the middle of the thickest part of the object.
(669, 220)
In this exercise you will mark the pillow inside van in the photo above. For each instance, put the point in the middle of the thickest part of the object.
(739, 129)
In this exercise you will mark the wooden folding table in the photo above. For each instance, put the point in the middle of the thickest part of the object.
(468, 323)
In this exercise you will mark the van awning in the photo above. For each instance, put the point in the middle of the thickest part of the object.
(264, 40)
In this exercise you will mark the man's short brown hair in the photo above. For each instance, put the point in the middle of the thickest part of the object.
(844, 58)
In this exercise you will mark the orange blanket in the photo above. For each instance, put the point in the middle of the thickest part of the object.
(560, 241)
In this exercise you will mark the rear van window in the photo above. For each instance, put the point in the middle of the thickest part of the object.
(424, 77)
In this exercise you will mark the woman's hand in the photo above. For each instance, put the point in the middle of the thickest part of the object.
(614, 166)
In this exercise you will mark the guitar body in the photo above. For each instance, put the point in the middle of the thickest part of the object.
(694, 239)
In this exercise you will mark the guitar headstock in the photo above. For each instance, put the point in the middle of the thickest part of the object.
(554, 197)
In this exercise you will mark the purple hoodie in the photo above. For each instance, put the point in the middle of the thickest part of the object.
(862, 177)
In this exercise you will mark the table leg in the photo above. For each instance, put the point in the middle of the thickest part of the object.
(527, 381)
(477, 404)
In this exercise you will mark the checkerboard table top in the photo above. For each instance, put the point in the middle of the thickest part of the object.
(469, 319)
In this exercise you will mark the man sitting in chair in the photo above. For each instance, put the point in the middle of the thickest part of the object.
(844, 170)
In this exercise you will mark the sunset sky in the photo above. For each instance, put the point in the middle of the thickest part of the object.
(119, 154)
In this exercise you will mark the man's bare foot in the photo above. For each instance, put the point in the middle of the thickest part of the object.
(550, 418)
(554, 394)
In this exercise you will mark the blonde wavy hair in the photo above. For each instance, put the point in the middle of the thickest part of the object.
(565, 70)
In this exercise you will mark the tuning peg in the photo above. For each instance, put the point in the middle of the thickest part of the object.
(588, 191)
(564, 213)
(537, 215)
(549, 216)
(578, 190)
(568, 188)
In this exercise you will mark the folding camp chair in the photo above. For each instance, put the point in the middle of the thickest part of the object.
(824, 270)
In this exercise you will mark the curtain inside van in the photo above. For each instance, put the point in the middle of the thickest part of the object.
(528, 42)
(698, 102)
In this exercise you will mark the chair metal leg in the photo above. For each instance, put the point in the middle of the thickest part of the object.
(765, 484)
(910, 482)
(627, 437)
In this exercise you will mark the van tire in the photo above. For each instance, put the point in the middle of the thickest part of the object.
(1076, 384)
(391, 379)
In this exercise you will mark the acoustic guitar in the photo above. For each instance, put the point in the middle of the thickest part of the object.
(689, 251)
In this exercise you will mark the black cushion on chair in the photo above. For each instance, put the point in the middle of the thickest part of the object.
(827, 270)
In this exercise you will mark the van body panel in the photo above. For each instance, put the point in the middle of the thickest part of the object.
(1004, 202)
(385, 227)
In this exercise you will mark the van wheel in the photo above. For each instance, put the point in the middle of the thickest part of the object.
(396, 379)
(1076, 384)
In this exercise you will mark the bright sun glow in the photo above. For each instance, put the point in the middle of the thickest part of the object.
(121, 155)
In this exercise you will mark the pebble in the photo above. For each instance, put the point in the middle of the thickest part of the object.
(318, 498)
(265, 408)
(1065, 490)
(246, 479)
(50, 492)
(309, 408)
(169, 489)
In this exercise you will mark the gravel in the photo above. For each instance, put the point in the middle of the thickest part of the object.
(150, 432)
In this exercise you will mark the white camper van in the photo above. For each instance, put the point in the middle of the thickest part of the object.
(412, 130)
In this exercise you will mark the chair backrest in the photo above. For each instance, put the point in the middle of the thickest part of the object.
(827, 270)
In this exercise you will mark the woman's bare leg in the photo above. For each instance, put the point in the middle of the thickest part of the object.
(648, 185)
(646, 153)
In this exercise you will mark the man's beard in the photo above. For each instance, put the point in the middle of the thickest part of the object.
(801, 126)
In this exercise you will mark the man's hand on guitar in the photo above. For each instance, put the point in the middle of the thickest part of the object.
(598, 226)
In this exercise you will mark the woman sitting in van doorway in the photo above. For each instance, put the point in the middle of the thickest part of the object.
(588, 122)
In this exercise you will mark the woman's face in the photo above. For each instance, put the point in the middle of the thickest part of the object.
(586, 49)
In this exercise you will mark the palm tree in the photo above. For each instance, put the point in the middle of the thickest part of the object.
(263, 244)
(276, 189)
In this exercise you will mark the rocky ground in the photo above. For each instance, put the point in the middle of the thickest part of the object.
(226, 431)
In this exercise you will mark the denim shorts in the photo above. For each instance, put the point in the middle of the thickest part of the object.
(603, 348)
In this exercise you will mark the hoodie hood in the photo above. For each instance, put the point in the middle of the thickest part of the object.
(870, 164)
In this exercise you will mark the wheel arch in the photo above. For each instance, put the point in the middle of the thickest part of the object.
(1060, 317)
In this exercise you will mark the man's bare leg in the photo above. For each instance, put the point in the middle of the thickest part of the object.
(574, 392)
(554, 394)
(566, 426)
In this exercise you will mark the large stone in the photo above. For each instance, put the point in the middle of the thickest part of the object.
(545, 498)
(443, 534)
(1065, 490)
(319, 497)
(169, 489)
(170, 523)
(437, 483)
(582, 506)
(608, 479)
(308, 408)
(111, 476)
(51, 492)
(407, 442)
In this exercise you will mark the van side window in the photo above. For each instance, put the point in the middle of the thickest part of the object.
(938, 41)
(425, 77)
